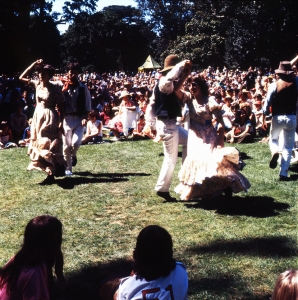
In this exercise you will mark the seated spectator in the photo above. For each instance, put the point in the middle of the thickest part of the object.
(228, 115)
(5, 133)
(138, 132)
(29, 274)
(242, 130)
(248, 109)
(156, 273)
(26, 135)
(286, 286)
(116, 124)
(261, 127)
(94, 129)
(18, 123)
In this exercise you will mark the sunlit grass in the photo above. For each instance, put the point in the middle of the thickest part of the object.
(231, 250)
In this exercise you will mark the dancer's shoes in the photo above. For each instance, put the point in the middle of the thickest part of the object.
(284, 178)
(273, 161)
(166, 196)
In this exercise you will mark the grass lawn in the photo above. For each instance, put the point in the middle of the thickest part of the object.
(231, 250)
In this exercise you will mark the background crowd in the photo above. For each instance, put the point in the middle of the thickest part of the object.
(241, 94)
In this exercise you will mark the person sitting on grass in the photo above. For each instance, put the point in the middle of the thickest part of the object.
(94, 129)
(29, 275)
(286, 286)
(156, 273)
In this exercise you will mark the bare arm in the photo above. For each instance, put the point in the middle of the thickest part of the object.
(22, 76)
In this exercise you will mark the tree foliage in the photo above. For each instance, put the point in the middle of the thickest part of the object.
(113, 39)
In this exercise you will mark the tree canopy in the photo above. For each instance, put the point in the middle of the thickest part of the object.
(237, 34)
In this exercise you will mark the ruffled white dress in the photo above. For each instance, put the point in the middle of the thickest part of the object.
(207, 170)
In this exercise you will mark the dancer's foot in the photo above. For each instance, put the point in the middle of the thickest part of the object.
(74, 161)
(166, 196)
(273, 161)
(284, 178)
(68, 173)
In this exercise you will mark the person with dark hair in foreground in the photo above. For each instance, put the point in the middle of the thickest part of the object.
(28, 275)
(156, 273)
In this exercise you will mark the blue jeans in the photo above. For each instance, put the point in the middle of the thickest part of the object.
(172, 136)
(285, 125)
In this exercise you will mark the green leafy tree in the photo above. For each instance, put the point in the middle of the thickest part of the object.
(112, 39)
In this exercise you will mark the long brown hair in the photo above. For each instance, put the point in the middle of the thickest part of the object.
(42, 244)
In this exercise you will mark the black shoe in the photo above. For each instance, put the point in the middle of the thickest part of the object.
(49, 180)
(166, 196)
(74, 161)
(284, 178)
(273, 161)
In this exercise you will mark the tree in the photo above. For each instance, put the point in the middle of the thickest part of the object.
(111, 39)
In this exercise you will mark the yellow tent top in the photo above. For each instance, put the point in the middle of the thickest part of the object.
(149, 64)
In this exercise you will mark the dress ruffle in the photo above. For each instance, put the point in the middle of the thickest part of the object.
(211, 174)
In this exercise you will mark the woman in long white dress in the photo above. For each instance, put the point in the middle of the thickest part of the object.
(208, 169)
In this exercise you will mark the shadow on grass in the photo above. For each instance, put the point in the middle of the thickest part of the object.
(261, 247)
(221, 285)
(257, 206)
(88, 177)
(84, 283)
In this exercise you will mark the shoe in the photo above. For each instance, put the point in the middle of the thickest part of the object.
(284, 178)
(68, 173)
(273, 161)
(115, 139)
(90, 143)
(74, 161)
(166, 196)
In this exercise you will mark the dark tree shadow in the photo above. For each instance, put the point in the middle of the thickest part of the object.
(261, 247)
(244, 156)
(257, 206)
(88, 177)
(84, 283)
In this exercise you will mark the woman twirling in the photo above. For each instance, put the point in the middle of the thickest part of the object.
(208, 169)
(45, 147)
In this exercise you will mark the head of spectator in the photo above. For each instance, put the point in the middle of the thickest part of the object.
(41, 245)
(153, 254)
(286, 286)
(228, 100)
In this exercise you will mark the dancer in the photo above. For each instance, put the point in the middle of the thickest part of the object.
(29, 274)
(281, 100)
(208, 169)
(45, 148)
(167, 108)
(78, 105)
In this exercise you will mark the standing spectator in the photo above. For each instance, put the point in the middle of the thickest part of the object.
(78, 104)
(282, 98)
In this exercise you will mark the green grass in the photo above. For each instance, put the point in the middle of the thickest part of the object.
(231, 251)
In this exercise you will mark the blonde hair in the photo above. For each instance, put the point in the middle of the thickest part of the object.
(286, 286)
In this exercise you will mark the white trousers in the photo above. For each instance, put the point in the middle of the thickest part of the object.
(173, 136)
(72, 138)
(285, 125)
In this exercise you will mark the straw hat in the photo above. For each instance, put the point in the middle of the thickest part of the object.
(124, 94)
